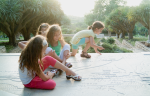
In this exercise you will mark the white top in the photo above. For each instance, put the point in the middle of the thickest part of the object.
(82, 34)
(25, 77)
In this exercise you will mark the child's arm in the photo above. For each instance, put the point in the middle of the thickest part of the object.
(45, 77)
(50, 52)
(54, 55)
(92, 43)
(22, 44)
(62, 42)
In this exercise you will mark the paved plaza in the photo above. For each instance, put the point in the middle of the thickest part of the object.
(109, 74)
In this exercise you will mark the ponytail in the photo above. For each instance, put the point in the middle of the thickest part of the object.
(90, 27)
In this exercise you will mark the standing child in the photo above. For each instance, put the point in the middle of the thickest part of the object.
(32, 65)
(56, 42)
(87, 36)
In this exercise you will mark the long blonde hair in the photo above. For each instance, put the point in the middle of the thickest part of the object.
(51, 32)
(30, 55)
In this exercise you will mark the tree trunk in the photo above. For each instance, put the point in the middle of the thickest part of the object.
(146, 34)
(109, 33)
(26, 36)
(130, 34)
(12, 39)
(148, 41)
(118, 35)
(123, 35)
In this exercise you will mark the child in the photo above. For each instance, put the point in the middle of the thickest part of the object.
(87, 36)
(56, 41)
(32, 65)
(42, 30)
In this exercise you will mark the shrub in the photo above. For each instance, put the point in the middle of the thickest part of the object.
(111, 41)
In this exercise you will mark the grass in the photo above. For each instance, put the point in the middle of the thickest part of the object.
(4, 38)
(7, 46)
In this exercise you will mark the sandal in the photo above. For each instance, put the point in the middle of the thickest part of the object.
(56, 72)
(76, 77)
(69, 65)
(85, 54)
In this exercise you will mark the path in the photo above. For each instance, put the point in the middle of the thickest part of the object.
(109, 74)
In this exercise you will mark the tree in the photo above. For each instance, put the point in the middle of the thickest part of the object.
(120, 23)
(102, 9)
(24, 16)
(141, 14)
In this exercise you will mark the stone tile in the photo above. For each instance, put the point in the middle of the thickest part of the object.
(109, 74)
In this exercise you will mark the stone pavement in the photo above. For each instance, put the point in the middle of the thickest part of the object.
(109, 74)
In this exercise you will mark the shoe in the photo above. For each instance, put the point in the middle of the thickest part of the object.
(76, 77)
(56, 72)
(69, 65)
(85, 54)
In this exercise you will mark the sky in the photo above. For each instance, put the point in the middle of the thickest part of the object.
(81, 7)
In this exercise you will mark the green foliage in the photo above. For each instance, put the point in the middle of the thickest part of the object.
(111, 41)
(141, 14)
(119, 23)
(67, 39)
(7, 46)
(109, 46)
(24, 16)
(102, 9)
(77, 24)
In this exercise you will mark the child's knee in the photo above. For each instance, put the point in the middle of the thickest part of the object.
(51, 85)
(73, 54)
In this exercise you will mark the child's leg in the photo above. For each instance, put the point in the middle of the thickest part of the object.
(47, 61)
(87, 41)
(38, 83)
(84, 54)
(74, 51)
(64, 51)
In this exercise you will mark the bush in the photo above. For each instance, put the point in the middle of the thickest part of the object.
(111, 48)
(111, 41)
(103, 40)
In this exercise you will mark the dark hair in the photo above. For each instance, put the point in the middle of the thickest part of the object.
(96, 24)
(42, 26)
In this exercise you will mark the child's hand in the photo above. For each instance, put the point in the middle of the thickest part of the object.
(50, 74)
(98, 52)
(68, 55)
(100, 48)
(51, 53)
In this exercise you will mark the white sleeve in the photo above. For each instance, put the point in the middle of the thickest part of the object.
(48, 49)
